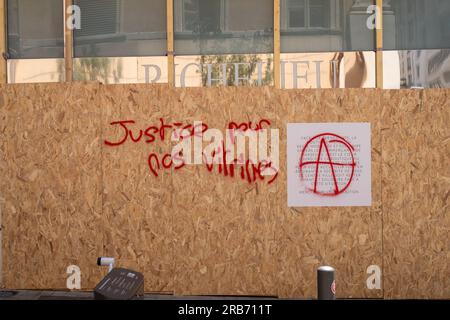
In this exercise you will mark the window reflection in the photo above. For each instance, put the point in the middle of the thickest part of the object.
(121, 69)
(416, 69)
(35, 29)
(325, 25)
(224, 70)
(416, 24)
(308, 14)
(223, 26)
(121, 28)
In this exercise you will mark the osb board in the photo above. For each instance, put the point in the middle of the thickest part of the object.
(195, 232)
(347, 238)
(50, 183)
(225, 229)
(242, 239)
(230, 237)
(416, 192)
(137, 207)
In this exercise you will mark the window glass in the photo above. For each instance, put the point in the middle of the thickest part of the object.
(35, 29)
(326, 26)
(223, 26)
(120, 28)
(416, 24)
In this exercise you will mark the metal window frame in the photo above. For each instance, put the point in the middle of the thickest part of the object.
(307, 16)
(223, 17)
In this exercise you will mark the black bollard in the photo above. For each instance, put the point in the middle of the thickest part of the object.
(326, 285)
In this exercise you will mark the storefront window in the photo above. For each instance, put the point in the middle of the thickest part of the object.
(326, 26)
(308, 14)
(121, 28)
(416, 24)
(205, 27)
(35, 29)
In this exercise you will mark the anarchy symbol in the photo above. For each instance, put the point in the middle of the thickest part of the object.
(340, 178)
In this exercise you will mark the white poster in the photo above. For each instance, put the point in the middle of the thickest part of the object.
(329, 164)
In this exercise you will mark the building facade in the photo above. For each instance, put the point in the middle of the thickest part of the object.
(286, 43)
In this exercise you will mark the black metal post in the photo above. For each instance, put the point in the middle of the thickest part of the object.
(326, 285)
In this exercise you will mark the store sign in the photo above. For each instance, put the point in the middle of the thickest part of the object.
(302, 70)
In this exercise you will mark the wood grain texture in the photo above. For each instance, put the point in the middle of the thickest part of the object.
(379, 44)
(50, 185)
(67, 198)
(225, 229)
(347, 238)
(137, 206)
(416, 189)
(170, 43)
(276, 43)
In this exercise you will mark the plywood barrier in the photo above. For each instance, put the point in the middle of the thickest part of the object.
(50, 183)
(416, 191)
(67, 197)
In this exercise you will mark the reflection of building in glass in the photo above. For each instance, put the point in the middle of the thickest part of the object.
(328, 70)
(323, 43)
(428, 69)
(103, 69)
(204, 27)
(35, 70)
(325, 25)
(309, 14)
(35, 29)
(121, 28)
(223, 70)
(419, 24)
